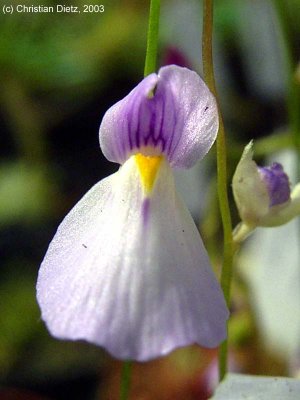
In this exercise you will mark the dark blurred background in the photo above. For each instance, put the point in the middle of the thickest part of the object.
(59, 73)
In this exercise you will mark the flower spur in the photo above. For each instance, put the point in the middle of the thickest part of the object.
(127, 269)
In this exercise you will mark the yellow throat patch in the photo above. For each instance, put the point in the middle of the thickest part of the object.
(148, 167)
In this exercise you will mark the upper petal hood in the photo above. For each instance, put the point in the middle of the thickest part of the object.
(130, 273)
(173, 112)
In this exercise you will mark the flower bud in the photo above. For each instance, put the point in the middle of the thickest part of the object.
(262, 194)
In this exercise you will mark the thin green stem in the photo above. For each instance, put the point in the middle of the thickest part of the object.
(152, 38)
(125, 380)
(208, 70)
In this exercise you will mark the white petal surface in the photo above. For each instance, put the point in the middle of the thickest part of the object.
(138, 283)
(250, 193)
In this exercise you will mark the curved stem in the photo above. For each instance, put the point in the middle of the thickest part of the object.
(241, 232)
(208, 70)
(152, 38)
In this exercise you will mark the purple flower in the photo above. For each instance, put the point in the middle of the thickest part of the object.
(173, 55)
(277, 183)
(127, 269)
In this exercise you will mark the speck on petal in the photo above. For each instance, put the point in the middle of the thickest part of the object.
(172, 113)
(138, 287)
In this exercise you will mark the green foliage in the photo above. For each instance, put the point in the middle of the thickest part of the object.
(19, 317)
(26, 193)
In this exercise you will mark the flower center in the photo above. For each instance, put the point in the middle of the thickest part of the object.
(148, 167)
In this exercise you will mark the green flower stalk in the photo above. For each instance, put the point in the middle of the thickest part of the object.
(208, 71)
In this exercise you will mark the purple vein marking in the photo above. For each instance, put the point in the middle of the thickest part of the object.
(145, 211)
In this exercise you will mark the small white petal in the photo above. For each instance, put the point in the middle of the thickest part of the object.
(250, 193)
(131, 274)
(281, 214)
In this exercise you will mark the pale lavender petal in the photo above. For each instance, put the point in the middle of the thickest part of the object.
(277, 183)
(129, 276)
(196, 118)
(172, 113)
(121, 127)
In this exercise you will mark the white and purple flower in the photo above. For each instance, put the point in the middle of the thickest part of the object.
(127, 269)
(262, 194)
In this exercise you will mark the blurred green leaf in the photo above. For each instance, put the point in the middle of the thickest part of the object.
(25, 193)
(62, 51)
(18, 318)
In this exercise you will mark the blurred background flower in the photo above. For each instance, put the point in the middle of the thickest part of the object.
(60, 73)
